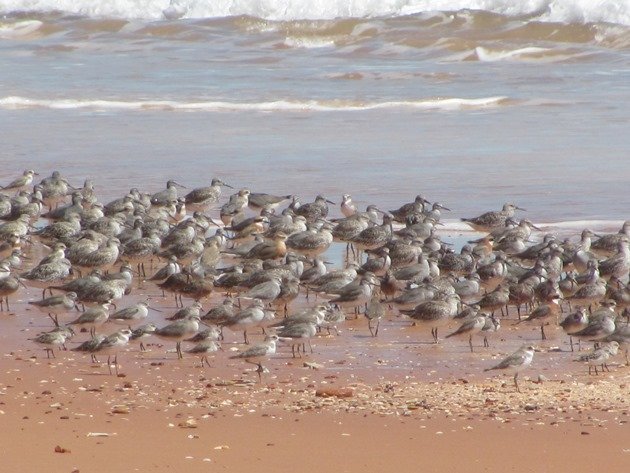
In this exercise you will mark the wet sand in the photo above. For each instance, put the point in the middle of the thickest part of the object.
(411, 404)
(175, 416)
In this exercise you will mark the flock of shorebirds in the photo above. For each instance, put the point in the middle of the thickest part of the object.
(266, 254)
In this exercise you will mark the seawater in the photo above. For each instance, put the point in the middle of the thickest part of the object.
(471, 103)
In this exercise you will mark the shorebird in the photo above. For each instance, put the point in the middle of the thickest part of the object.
(347, 229)
(314, 272)
(599, 356)
(377, 263)
(542, 314)
(517, 361)
(181, 284)
(435, 313)
(298, 333)
(374, 311)
(267, 250)
(374, 237)
(102, 257)
(193, 309)
(55, 337)
(413, 208)
(131, 315)
(589, 293)
(495, 300)
(492, 326)
(167, 195)
(142, 332)
(141, 249)
(597, 328)
(458, 264)
(62, 230)
(111, 345)
(316, 210)
(494, 271)
(8, 285)
(621, 335)
(21, 182)
(618, 265)
(252, 316)
(332, 281)
(416, 272)
(19, 228)
(64, 212)
(203, 348)
(356, 295)
(90, 346)
(583, 254)
(54, 189)
(411, 297)
(46, 274)
(178, 331)
(259, 200)
(312, 242)
(170, 268)
(489, 221)
(608, 244)
(234, 206)
(259, 352)
(204, 196)
(470, 327)
(266, 291)
(57, 305)
(575, 322)
(220, 313)
(93, 317)
(347, 206)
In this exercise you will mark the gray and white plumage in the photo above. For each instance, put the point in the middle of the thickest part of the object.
(516, 362)
(261, 351)
(178, 331)
(131, 315)
(599, 356)
(489, 221)
(469, 328)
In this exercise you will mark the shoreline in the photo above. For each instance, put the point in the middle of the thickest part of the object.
(163, 414)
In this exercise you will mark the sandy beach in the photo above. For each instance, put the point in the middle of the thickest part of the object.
(480, 107)
(68, 415)
(356, 403)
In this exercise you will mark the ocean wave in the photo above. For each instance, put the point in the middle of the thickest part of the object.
(564, 11)
(19, 29)
(445, 104)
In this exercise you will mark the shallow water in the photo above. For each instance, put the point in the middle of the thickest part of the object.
(472, 108)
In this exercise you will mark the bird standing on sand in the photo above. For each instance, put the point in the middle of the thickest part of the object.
(600, 356)
(470, 327)
(259, 352)
(517, 361)
(178, 331)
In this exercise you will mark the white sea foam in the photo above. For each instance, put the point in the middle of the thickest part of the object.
(567, 11)
(308, 43)
(447, 104)
(19, 29)
(488, 55)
